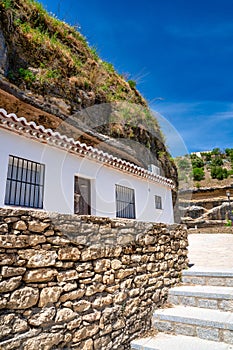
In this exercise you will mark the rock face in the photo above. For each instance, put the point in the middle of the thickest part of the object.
(208, 208)
(93, 295)
(3, 54)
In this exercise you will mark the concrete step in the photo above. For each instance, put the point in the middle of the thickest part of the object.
(206, 324)
(210, 297)
(177, 342)
(208, 277)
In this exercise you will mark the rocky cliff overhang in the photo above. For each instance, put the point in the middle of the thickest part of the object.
(38, 132)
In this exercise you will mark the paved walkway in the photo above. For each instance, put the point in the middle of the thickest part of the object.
(211, 251)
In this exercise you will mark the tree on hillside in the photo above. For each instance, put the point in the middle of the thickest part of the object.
(216, 162)
(197, 162)
(229, 152)
(183, 164)
(216, 151)
(217, 172)
(198, 174)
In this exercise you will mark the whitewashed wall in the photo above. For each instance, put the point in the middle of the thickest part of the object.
(60, 169)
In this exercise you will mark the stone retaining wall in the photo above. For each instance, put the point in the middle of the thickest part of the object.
(84, 283)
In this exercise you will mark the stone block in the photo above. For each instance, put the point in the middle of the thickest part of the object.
(94, 288)
(93, 253)
(75, 323)
(69, 253)
(92, 317)
(185, 329)
(121, 274)
(20, 325)
(120, 297)
(215, 281)
(228, 336)
(103, 343)
(125, 239)
(65, 315)
(102, 302)
(208, 333)
(84, 333)
(10, 284)
(76, 294)
(7, 259)
(20, 225)
(40, 275)
(116, 264)
(102, 265)
(49, 295)
(45, 316)
(3, 228)
(12, 271)
(67, 276)
(44, 341)
(67, 287)
(87, 345)
(23, 298)
(226, 305)
(119, 324)
(188, 301)
(12, 241)
(59, 241)
(81, 306)
(5, 325)
(37, 226)
(164, 326)
(42, 258)
(16, 342)
(207, 303)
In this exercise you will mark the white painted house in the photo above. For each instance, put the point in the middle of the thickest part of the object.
(45, 170)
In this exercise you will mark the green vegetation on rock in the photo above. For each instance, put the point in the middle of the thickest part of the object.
(40, 43)
(213, 165)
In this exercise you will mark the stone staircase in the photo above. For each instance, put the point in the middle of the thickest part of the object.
(201, 316)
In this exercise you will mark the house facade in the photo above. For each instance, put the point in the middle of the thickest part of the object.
(43, 170)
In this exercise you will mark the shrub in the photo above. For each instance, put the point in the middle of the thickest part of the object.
(229, 152)
(27, 75)
(198, 174)
(217, 172)
(197, 162)
(132, 84)
(228, 223)
(217, 162)
(7, 4)
(216, 151)
(183, 164)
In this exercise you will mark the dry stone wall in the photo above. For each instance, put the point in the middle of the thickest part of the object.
(85, 283)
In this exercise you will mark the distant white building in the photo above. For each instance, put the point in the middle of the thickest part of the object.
(198, 154)
(45, 170)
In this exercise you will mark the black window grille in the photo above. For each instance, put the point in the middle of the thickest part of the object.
(158, 202)
(125, 202)
(25, 183)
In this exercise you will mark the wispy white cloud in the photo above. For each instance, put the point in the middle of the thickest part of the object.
(196, 126)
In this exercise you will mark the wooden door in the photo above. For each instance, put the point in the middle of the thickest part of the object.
(82, 196)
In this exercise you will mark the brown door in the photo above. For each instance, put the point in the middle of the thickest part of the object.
(82, 196)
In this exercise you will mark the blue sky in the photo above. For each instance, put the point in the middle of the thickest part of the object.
(180, 53)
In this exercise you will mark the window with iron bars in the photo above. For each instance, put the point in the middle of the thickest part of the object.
(25, 183)
(125, 202)
(158, 202)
